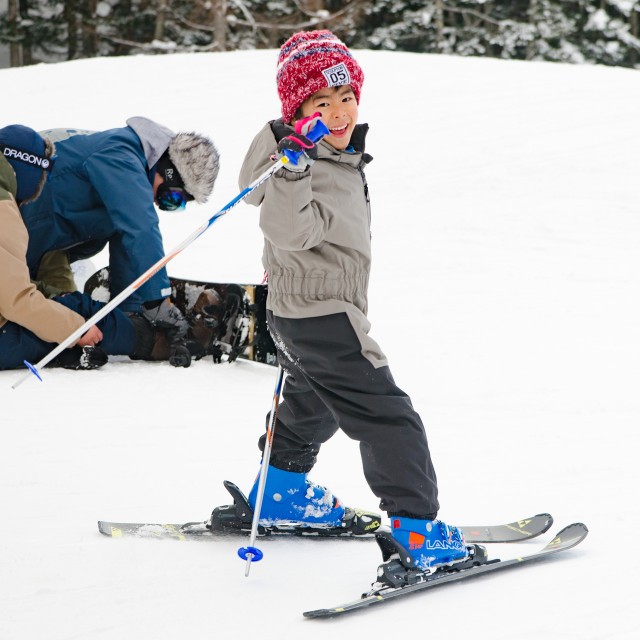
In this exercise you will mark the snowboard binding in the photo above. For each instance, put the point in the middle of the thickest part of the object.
(221, 325)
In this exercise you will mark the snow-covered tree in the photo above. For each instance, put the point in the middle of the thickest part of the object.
(575, 31)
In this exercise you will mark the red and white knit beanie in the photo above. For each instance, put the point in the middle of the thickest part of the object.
(309, 61)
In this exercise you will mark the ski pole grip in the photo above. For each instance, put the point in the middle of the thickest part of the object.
(318, 132)
(315, 135)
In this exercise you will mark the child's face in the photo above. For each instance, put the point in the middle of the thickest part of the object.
(339, 111)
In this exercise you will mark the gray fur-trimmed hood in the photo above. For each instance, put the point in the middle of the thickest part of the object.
(193, 155)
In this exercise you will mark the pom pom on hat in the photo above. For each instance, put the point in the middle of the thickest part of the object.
(310, 61)
(31, 157)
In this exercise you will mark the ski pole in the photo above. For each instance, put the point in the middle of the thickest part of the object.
(318, 132)
(251, 553)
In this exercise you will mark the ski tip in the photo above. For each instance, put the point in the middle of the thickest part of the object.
(319, 613)
(548, 518)
(327, 613)
(364, 601)
(107, 529)
(570, 536)
(579, 526)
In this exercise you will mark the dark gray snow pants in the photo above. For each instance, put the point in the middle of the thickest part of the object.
(330, 385)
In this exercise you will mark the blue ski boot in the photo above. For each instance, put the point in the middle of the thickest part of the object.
(291, 501)
(413, 550)
(431, 544)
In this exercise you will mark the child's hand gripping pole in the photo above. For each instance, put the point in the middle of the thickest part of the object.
(291, 149)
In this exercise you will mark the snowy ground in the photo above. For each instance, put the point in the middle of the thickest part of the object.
(505, 291)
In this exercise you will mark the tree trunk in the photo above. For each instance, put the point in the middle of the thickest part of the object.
(15, 48)
(161, 15)
(532, 13)
(71, 19)
(219, 21)
(26, 39)
(89, 35)
(439, 24)
(634, 17)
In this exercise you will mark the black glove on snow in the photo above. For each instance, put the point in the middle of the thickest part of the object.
(182, 353)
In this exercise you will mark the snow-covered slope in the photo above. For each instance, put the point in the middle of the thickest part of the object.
(505, 291)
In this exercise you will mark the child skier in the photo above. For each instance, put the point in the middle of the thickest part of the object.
(315, 217)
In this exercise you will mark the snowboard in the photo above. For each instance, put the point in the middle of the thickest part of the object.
(227, 320)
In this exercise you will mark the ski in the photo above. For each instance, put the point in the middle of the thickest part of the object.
(236, 519)
(411, 581)
(202, 531)
(517, 531)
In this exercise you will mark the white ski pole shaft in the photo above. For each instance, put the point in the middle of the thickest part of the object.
(251, 553)
(134, 286)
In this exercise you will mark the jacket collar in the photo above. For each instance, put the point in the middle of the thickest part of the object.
(358, 138)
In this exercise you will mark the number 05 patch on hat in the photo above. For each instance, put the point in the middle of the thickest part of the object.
(337, 75)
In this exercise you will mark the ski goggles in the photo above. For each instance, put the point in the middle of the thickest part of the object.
(171, 198)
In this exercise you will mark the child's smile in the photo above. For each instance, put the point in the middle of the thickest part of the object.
(339, 131)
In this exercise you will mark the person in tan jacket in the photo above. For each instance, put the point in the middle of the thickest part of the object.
(30, 323)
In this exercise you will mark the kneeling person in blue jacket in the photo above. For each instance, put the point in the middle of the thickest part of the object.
(31, 320)
(102, 191)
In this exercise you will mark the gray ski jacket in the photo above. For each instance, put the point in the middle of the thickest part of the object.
(316, 225)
